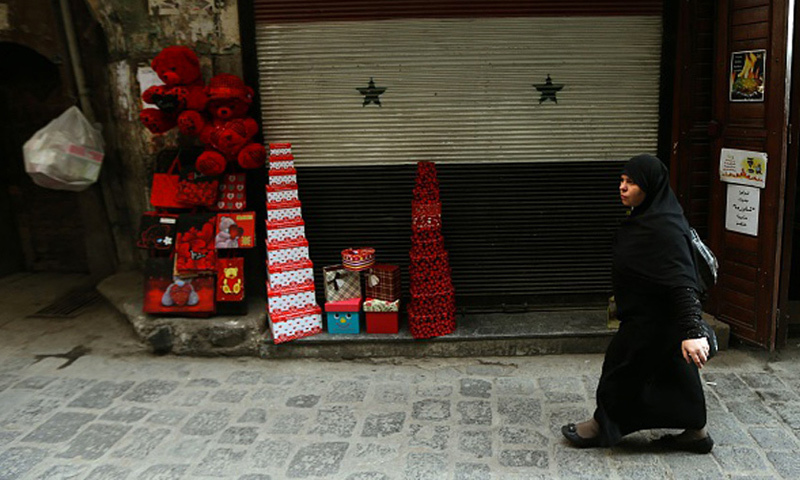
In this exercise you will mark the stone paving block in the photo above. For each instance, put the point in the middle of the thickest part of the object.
(513, 435)
(288, 424)
(788, 466)
(63, 472)
(527, 459)
(474, 387)
(229, 396)
(125, 414)
(140, 443)
(253, 415)
(189, 398)
(220, 463)
(7, 437)
(267, 394)
(94, 441)
(18, 461)
(515, 386)
(151, 391)
(391, 393)
(778, 396)
(66, 388)
(475, 412)
(269, 454)
(370, 452)
(34, 383)
(189, 447)
(472, 471)
(762, 381)
(303, 401)
(59, 428)
(582, 464)
(163, 472)
(690, 466)
(278, 379)
(432, 410)
(6, 380)
(244, 377)
(30, 413)
(101, 394)
(347, 392)
(109, 472)
(790, 413)
(167, 417)
(640, 471)
(203, 383)
(738, 459)
(255, 476)
(206, 422)
(590, 383)
(383, 425)
(562, 389)
(520, 410)
(239, 436)
(337, 420)
(726, 430)
(729, 387)
(477, 443)
(317, 459)
(712, 401)
(367, 476)
(486, 370)
(752, 413)
(434, 391)
(773, 438)
(426, 466)
(434, 437)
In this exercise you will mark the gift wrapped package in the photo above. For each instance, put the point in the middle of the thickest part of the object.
(381, 316)
(230, 279)
(341, 284)
(383, 282)
(343, 316)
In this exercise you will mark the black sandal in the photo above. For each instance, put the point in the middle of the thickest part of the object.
(672, 442)
(570, 432)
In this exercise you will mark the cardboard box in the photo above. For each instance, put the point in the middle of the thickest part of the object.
(343, 316)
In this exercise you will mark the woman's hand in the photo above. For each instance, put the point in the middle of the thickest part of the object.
(695, 350)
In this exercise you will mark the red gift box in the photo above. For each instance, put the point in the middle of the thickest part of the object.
(382, 322)
(235, 230)
(230, 279)
(383, 282)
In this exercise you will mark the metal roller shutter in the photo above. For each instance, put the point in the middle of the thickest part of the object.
(528, 187)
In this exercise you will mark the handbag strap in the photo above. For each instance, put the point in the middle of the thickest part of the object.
(175, 163)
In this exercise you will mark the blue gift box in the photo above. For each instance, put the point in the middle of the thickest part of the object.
(343, 316)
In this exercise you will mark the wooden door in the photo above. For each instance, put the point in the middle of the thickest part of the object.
(747, 294)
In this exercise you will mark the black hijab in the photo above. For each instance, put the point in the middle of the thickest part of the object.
(654, 243)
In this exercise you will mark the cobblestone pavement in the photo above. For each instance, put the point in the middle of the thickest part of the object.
(121, 413)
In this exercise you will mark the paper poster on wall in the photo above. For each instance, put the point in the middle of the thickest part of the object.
(147, 77)
(742, 209)
(743, 167)
(748, 76)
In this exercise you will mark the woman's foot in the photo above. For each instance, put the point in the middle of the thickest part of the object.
(582, 435)
(695, 441)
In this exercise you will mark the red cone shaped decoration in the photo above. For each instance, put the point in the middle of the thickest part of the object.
(432, 311)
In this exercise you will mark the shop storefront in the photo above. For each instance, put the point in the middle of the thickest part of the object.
(527, 108)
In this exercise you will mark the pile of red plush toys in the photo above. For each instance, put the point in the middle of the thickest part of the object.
(198, 222)
(432, 309)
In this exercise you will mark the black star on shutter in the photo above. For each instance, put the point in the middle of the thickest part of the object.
(371, 94)
(548, 89)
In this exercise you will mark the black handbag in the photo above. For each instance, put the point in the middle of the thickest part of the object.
(711, 336)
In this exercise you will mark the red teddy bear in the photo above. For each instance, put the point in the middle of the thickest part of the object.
(226, 130)
(183, 89)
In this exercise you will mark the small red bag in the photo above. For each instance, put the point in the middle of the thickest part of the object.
(165, 293)
(164, 191)
(196, 189)
(230, 279)
(232, 193)
(194, 244)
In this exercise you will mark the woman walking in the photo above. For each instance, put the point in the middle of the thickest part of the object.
(650, 373)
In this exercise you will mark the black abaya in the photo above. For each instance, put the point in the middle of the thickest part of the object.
(645, 382)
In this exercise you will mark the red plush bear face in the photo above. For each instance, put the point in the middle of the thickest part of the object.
(177, 65)
(228, 109)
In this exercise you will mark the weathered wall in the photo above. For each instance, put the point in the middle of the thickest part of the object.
(135, 33)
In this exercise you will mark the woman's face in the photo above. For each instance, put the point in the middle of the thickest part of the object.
(631, 194)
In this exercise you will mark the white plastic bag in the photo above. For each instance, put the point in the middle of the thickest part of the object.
(66, 154)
